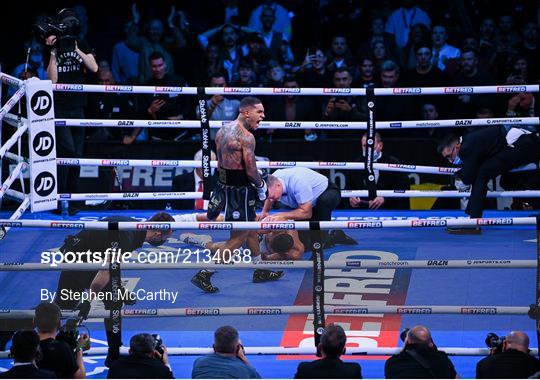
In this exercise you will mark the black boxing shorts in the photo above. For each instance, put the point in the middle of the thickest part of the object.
(234, 196)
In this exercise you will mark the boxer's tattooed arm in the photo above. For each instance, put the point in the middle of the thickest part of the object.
(248, 154)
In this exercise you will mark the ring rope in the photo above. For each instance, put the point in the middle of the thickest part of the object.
(344, 194)
(12, 177)
(284, 91)
(10, 80)
(357, 351)
(284, 264)
(289, 225)
(279, 310)
(12, 101)
(262, 164)
(13, 139)
(347, 125)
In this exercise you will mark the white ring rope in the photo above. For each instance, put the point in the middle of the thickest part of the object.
(283, 264)
(10, 80)
(262, 164)
(12, 177)
(344, 194)
(295, 91)
(13, 139)
(279, 310)
(292, 225)
(12, 101)
(357, 351)
(340, 125)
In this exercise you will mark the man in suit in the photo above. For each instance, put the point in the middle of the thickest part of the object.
(332, 346)
(192, 181)
(385, 180)
(24, 350)
(484, 154)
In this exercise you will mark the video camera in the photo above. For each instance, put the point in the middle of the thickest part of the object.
(495, 342)
(65, 27)
(70, 333)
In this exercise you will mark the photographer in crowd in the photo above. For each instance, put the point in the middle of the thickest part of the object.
(228, 361)
(71, 61)
(420, 359)
(147, 359)
(509, 358)
(61, 351)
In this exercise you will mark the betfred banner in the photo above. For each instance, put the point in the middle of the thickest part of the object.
(40, 111)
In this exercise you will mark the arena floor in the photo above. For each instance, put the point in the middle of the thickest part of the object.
(501, 287)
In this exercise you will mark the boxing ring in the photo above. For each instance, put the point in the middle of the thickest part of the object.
(405, 270)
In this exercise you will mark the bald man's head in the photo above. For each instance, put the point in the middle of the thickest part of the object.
(419, 335)
(517, 340)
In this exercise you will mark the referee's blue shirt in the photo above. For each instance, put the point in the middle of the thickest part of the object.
(300, 185)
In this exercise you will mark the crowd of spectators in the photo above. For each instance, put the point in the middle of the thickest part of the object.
(48, 353)
(354, 44)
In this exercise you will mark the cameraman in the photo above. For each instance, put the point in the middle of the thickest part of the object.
(71, 60)
(147, 359)
(511, 361)
(420, 359)
(63, 358)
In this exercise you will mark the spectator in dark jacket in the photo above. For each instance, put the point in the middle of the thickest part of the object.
(145, 361)
(24, 350)
(332, 346)
(420, 359)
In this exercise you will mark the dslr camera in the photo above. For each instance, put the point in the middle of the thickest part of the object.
(65, 27)
(159, 345)
(495, 342)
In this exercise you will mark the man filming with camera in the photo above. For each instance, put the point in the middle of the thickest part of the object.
(61, 349)
(71, 61)
(147, 359)
(509, 358)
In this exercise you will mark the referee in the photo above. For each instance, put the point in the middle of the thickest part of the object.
(308, 195)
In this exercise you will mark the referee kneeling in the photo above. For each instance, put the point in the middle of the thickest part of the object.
(309, 196)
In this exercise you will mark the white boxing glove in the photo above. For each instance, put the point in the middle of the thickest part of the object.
(262, 191)
(460, 186)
